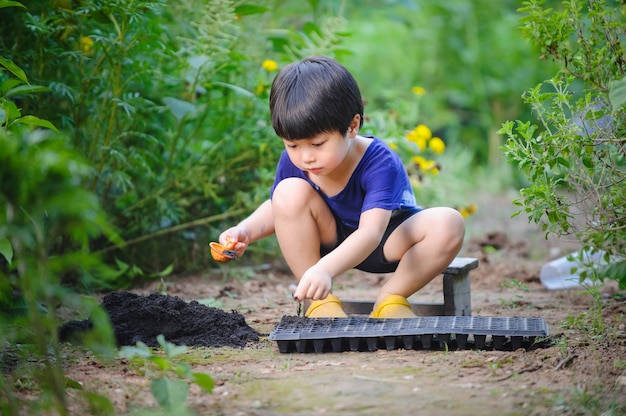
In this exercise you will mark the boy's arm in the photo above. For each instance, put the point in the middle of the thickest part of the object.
(257, 225)
(359, 244)
(260, 223)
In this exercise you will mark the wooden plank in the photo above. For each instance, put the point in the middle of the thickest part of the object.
(456, 294)
(461, 265)
(457, 297)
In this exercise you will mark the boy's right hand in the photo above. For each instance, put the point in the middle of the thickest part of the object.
(237, 234)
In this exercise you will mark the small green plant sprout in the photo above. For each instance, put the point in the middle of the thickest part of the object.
(513, 301)
(591, 322)
(128, 273)
(170, 380)
(620, 364)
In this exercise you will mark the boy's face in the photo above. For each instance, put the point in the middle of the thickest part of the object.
(321, 154)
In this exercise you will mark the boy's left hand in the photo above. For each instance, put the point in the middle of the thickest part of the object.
(316, 283)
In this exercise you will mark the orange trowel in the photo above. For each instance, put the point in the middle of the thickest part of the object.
(223, 253)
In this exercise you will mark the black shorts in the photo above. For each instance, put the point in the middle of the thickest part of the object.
(375, 262)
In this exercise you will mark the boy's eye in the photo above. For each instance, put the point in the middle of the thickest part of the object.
(318, 144)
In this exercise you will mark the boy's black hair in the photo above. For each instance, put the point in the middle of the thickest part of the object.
(313, 96)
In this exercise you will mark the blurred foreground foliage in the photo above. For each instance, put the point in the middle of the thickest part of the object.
(45, 210)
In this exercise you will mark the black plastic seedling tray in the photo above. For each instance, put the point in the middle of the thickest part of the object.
(355, 333)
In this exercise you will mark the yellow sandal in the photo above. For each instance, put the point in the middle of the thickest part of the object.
(329, 307)
(393, 306)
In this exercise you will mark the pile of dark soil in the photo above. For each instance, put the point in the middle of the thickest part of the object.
(141, 318)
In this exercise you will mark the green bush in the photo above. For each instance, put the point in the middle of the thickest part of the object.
(168, 102)
(575, 158)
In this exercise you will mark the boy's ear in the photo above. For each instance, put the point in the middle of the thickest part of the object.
(354, 126)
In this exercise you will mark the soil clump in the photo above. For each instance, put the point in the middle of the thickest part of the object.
(142, 318)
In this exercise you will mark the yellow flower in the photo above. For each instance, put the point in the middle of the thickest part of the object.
(269, 65)
(419, 135)
(418, 160)
(468, 210)
(426, 166)
(259, 89)
(436, 145)
(423, 131)
(86, 43)
(429, 166)
(412, 136)
(418, 91)
(393, 146)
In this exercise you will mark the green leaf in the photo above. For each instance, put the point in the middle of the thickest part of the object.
(14, 69)
(123, 267)
(563, 162)
(35, 121)
(183, 370)
(170, 394)
(617, 94)
(98, 404)
(26, 89)
(161, 362)
(617, 271)
(179, 108)
(73, 384)
(248, 9)
(6, 250)
(205, 381)
(310, 27)
(165, 272)
(171, 350)
(8, 84)
(8, 3)
(141, 350)
(235, 88)
(101, 340)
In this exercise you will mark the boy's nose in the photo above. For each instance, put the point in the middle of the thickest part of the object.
(308, 157)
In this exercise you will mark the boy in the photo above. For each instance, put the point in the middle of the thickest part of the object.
(342, 201)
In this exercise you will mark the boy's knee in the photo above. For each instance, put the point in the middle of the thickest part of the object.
(291, 195)
(456, 222)
(452, 225)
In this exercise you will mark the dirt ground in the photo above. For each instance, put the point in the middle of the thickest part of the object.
(574, 372)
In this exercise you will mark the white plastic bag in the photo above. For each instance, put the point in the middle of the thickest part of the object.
(557, 274)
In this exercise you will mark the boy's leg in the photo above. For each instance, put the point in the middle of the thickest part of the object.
(303, 222)
(425, 244)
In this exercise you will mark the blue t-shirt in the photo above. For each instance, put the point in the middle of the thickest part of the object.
(379, 181)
